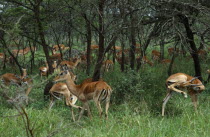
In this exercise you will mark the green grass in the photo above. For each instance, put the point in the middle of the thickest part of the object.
(135, 109)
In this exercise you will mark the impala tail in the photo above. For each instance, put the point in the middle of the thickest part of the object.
(105, 93)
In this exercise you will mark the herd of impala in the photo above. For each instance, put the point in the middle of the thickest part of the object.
(98, 91)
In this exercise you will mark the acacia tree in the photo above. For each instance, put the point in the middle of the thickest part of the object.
(34, 6)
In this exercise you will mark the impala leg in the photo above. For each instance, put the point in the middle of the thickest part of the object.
(52, 102)
(172, 87)
(72, 113)
(28, 90)
(107, 107)
(85, 106)
(168, 96)
(98, 104)
(88, 109)
(194, 98)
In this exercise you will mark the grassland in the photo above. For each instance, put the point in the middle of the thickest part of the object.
(134, 111)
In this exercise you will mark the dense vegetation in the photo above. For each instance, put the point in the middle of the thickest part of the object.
(138, 28)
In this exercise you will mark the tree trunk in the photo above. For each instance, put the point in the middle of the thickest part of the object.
(133, 42)
(171, 65)
(122, 65)
(96, 75)
(41, 35)
(89, 36)
(190, 40)
(162, 49)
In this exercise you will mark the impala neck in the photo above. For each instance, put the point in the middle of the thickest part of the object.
(55, 64)
(71, 86)
(76, 63)
(24, 73)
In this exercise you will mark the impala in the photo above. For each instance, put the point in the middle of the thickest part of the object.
(22, 52)
(97, 91)
(43, 71)
(165, 61)
(55, 56)
(2, 56)
(92, 47)
(62, 89)
(155, 55)
(144, 60)
(202, 54)
(118, 48)
(26, 80)
(56, 47)
(70, 64)
(171, 51)
(10, 78)
(107, 65)
(181, 80)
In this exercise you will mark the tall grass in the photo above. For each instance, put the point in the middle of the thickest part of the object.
(134, 111)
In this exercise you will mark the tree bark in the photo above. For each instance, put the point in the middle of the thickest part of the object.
(162, 49)
(41, 34)
(133, 42)
(88, 36)
(96, 75)
(193, 48)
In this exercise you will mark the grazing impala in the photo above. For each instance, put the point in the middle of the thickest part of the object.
(181, 80)
(10, 78)
(97, 91)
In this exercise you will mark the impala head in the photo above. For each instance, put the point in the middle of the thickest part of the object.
(78, 60)
(62, 76)
(65, 75)
(195, 84)
(73, 99)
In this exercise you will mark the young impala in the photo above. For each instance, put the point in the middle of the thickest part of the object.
(180, 80)
(97, 91)
(62, 89)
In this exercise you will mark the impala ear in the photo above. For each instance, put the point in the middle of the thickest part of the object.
(193, 79)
